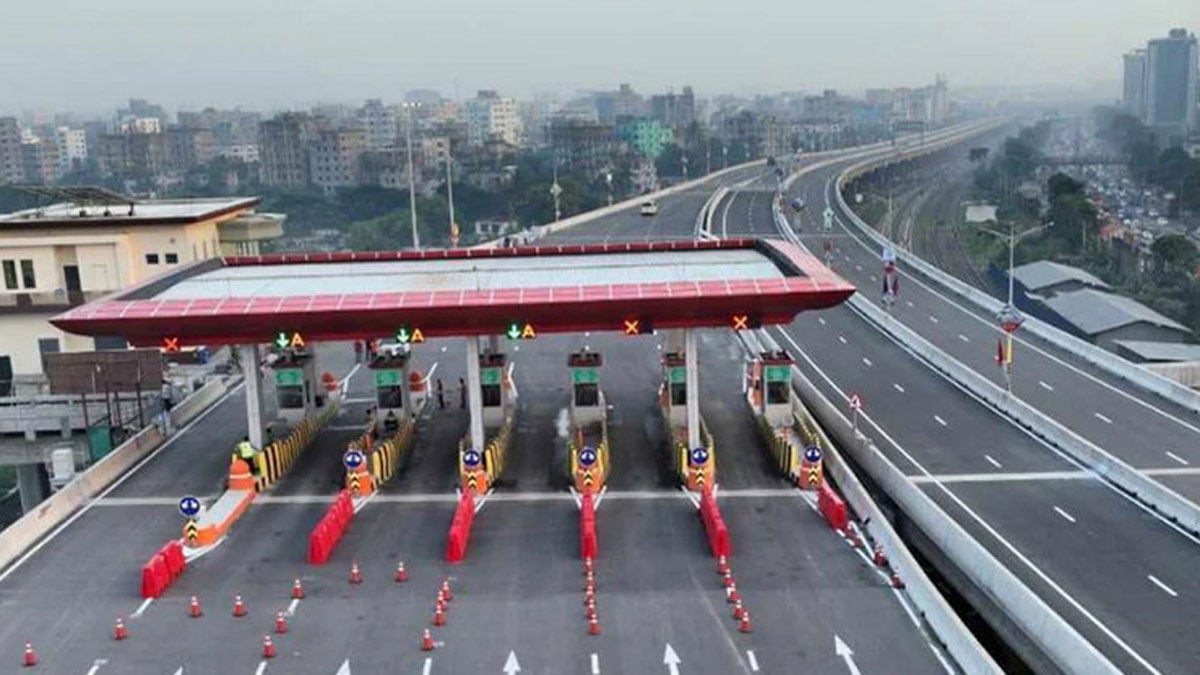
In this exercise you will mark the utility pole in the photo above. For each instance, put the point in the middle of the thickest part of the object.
(450, 195)
(412, 183)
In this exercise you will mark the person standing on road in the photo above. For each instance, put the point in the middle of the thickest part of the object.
(358, 351)
(462, 394)
(441, 395)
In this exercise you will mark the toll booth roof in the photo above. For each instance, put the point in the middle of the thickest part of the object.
(333, 296)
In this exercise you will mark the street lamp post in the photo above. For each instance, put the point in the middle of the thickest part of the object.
(556, 191)
(708, 158)
(683, 159)
(450, 196)
(724, 155)
(412, 183)
(608, 177)
(1009, 318)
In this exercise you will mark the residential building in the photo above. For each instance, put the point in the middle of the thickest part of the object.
(62, 255)
(247, 153)
(72, 149)
(674, 110)
(39, 161)
(491, 118)
(229, 127)
(647, 137)
(283, 150)
(143, 109)
(133, 155)
(335, 158)
(431, 152)
(1133, 90)
(11, 170)
(612, 106)
(140, 125)
(589, 147)
(1171, 81)
(190, 147)
(380, 124)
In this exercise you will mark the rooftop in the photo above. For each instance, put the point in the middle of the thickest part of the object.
(148, 212)
(1095, 312)
(575, 288)
(1161, 352)
(1044, 274)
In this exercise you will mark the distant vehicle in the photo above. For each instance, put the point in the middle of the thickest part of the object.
(797, 204)
(649, 208)
(392, 347)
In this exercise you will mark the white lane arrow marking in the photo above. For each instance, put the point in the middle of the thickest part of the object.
(843, 650)
(262, 668)
(671, 660)
(595, 664)
(428, 667)
(511, 665)
(345, 669)
(180, 671)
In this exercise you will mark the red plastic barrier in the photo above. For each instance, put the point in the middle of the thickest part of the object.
(172, 553)
(162, 569)
(460, 529)
(832, 507)
(714, 525)
(587, 527)
(325, 536)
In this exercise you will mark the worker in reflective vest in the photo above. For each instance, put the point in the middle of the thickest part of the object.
(246, 452)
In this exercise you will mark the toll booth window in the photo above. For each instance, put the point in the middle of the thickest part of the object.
(390, 397)
(777, 392)
(587, 395)
(291, 397)
(491, 395)
(678, 393)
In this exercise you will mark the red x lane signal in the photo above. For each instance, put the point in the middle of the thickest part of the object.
(170, 344)
(632, 326)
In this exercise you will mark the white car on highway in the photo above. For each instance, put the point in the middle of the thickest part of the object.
(649, 208)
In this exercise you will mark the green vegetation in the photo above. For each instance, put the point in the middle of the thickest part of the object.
(1168, 168)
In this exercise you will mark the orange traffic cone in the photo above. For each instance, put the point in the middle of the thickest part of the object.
(194, 610)
(879, 556)
(120, 632)
(590, 613)
(722, 566)
(896, 581)
(239, 607)
(852, 536)
(587, 566)
(728, 578)
(440, 603)
(268, 647)
(441, 598)
(426, 641)
(297, 590)
(446, 590)
(738, 611)
(401, 575)
(744, 624)
(281, 626)
(355, 574)
(589, 595)
(593, 626)
(30, 658)
(439, 616)
(733, 594)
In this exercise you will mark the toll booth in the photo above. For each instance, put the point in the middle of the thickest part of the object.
(675, 388)
(495, 388)
(390, 373)
(296, 391)
(588, 443)
(769, 387)
(587, 400)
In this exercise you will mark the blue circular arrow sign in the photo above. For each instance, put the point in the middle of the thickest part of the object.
(472, 458)
(812, 454)
(353, 459)
(189, 506)
(699, 455)
(587, 455)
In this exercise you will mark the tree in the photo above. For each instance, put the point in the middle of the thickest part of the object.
(1175, 254)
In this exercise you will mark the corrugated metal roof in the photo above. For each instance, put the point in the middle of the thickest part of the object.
(1044, 273)
(1095, 312)
(1162, 351)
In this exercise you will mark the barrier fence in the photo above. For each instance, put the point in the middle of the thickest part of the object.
(588, 546)
(325, 536)
(460, 529)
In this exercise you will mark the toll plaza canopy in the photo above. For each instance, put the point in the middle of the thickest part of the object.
(629, 287)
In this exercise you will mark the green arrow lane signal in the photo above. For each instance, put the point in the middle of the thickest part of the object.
(403, 336)
(282, 341)
(514, 331)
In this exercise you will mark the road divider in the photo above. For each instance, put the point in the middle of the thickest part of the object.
(215, 521)
(460, 529)
(162, 569)
(324, 538)
(587, 527)
(714, 525)
(280, 456)
(832, 508)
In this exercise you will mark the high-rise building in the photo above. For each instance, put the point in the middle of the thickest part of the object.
(39, 161)
(190, 146)
(1171, 81)
(10, 151)
(1133, 90)
(283, 150)
(612, 106)
(133, 156)
(674, 110)
(491, 118)
(72, 149)
(335, 157)
(380, 124)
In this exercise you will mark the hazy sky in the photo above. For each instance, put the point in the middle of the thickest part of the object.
(90, 55)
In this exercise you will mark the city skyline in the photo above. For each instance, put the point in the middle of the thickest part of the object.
(348, 51)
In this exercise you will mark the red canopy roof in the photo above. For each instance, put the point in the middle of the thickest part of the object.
(190, 305)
